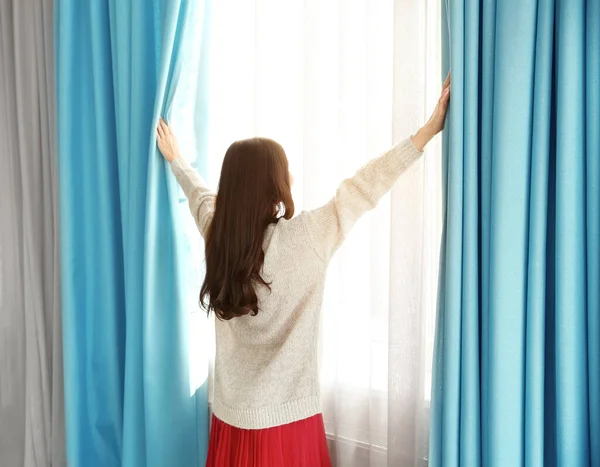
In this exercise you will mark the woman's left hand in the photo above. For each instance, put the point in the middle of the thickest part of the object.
(167, 142)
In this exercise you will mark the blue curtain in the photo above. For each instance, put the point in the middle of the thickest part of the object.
(130, 398)
(517, 357)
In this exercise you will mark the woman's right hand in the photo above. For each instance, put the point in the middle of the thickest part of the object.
(167, 142)
(436, 122)
(438, 118)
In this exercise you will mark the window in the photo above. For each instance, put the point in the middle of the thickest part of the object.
(337, 82)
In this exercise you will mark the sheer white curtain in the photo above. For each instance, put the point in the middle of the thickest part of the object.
(337, 82)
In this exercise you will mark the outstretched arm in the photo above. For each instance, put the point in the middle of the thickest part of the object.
(200, 197)
(328, 226)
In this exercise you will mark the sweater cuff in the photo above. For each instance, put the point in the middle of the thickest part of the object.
(402, 156)
(178, 164)
(412, 145)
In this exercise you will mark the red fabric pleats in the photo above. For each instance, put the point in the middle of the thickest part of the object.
(298, 444)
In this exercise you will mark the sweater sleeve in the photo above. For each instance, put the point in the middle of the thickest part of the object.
(200, 197)
(328, 226)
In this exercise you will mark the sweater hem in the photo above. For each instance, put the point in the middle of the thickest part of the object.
(270, 416)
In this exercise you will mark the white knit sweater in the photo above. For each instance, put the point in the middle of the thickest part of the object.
(266, 368)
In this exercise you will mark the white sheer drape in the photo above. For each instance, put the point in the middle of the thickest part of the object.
(337, 82)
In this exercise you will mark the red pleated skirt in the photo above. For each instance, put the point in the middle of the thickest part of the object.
(298, 444)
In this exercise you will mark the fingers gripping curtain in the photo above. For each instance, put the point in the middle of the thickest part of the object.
(129, 397)
(517, 361)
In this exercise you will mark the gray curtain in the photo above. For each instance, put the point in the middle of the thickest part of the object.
(31, 383)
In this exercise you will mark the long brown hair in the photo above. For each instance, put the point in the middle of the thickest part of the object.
(254, 191)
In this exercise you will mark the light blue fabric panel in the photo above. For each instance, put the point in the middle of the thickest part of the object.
(517, 358)
(129, 398)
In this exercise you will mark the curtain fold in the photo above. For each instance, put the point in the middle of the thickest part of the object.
(518, 335)
(31, 381)
(131, 399)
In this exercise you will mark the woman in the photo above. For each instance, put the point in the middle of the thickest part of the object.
(265, 273)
